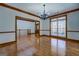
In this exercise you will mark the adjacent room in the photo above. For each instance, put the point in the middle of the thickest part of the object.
(38, 29)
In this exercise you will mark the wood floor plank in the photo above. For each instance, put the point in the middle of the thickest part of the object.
(32, 45)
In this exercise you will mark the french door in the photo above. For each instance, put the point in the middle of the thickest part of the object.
(58, 27)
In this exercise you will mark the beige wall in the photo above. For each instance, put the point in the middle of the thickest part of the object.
(7, 23)
(45, 25)
(73, 25)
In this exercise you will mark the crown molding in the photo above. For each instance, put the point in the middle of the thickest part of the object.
(17, 9)
(63, 13)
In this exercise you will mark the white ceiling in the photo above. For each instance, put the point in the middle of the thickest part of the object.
(51, 8)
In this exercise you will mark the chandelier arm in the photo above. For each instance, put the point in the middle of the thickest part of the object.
(44, 8)
(44, 15)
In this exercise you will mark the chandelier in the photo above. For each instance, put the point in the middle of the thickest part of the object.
(44, 15)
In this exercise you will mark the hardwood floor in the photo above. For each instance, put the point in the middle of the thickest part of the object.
(32, 45)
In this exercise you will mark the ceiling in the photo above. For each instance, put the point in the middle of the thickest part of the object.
(51, 8)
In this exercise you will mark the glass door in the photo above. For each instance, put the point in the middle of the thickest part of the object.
(58, 27)
(61, 28)
(54, 28)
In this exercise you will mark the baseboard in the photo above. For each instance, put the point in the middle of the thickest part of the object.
(59, 37)
(44, 35)
(54, 36)
(68, 39)
(7, 43)
(73, 40)
(32, 33)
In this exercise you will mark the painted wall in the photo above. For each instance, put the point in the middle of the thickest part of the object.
(44, 25)
(7, 22)
(73, 24)
(7, 37)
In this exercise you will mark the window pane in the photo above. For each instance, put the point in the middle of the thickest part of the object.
(61, 28)
(54, 19)
(61, 24)
(54, 28)
(54, 24)
(61, 32)
(54, 32)
(62, 18)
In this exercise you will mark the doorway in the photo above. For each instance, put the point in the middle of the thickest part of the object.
(37, 28)
(30, 28)
(58, 27)
(25, 35)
